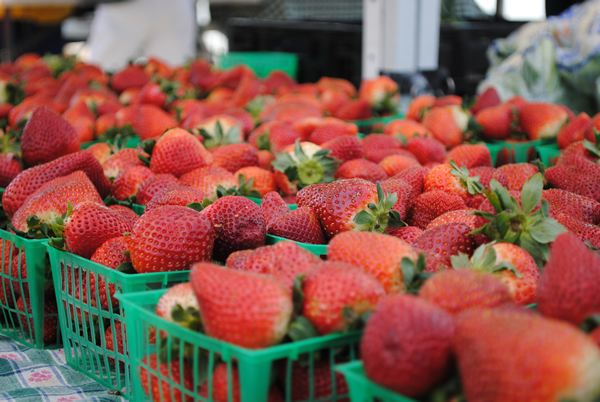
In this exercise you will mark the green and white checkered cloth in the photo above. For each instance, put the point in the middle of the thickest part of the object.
(28, 374)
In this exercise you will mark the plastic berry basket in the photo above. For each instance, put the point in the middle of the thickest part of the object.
(258, 201)
(548, 154)
(263, 63)
(376, 124)
(518, 152)
(25, 322)
(364, 390)
(138, 209)
(132, 142)
(256, 367)
(317, 249)
(84, 319)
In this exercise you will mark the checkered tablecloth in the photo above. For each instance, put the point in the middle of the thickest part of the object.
(28, 374)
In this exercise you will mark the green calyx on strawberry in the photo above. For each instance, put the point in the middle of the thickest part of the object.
(147, 146)
(305, 170)
(58, 64)
(170, 89)
(9, 142)
(244, 188)
(378, 217)
(484, 260)
(117, 133)
(262, 141)
(256, 105)
(591, 147)
(211, 140)
(197, 206)
(14, 93)
(36, 229)
(414, 273)
(472, 184)
(532, 231)
(188, 318)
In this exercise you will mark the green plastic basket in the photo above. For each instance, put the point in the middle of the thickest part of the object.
(375, 125)
(203, 353)
(138, 209)
(518, 152)
(318, 249)
(548, 154)
(263, 63)
(84, 320)
(258, 201)
(364, 390)
(21, 324)
(132, 142)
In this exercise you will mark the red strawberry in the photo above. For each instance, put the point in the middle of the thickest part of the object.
(405, 330)
(407, 233)
(9, 169)
(277, 137)
(101, 151)
(152, 94)
(486, 174)
(235, 156)
(580, 178)
(542, 120)
(378, 155)
(487, 99)
(460, 290)
(427, 150)
(207, 179)
(406, 129)
(178, 152)
(153, 121)
(344, 148)
(452, 180)
(111, 254)
(339, 84)
(243, 117)
(311, 196)
(320, 375)
(128, 182)
(328, 132)
(356, 109)
(332, 99)
(575, 151)
(578, 207)
(503, 356)
(584, 231)
(175, 195)
(179, 305)
(378, 254)
(418, 106)
(361, 169)
(50, 322)
(264, 160)
(595, 335)
(237, 259)
(470, 156)
(574, 131)
(415, 177)
(334, 286)
(432, 204)
(262, 181)
(220, 386)
(46, 137)
(132, 76)
(373, 142)
(238, 224)
(111, 338)
(224, 318)
(394, 164)
(122, 160)
(404, 193)
(459, 215)
(152, 185)
(179, 228)
(447, 124)
(448, 100)
(125, 213)
(301, 225)
(447, 240)
(568, 289)
(497, 122)
(273, 207)
(517, 174)
(158, 386)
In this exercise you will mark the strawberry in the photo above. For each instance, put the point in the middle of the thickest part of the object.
(178, 152)
(460, 290)
(487, 99)
(404, 194)
(125, 213)
(320, 375)
(568, 289)
(448, 100)
(503, 356)
(175, 195)
(332, 99)
(485, 174)
(157, 376)
(47, 136)
(220, 130)
(259, 180)
(10, 167)
(311, 196)
(447, 124)
(446, 240)
(225, 319)
(331, 288)
(361, 169)
(578, 150)
(132, 76)
(264, 160)
(122, 160)
(581, 178)
(152, 185)
(208, 179)
(50, 322)
(237, 259)
(432, 204)
(111, 338)
(415, 177)
(374, 142)
(153, 94)
(235, 156)
(273, 207)
(238, 224)
(100, 150)
(542, 120)
(280, 136)
(453, 180)
(406, 129)
(382, 93)
(470, 156)
(128, 182)
(357, 109)
(243, 117)
(497, 122)
(111, 254)
(328, 132)
(574, 131)
(50, 202)
(426, 150)
(418, 106)
(403, 330)
(179, 305)
(595, 335)
(179, 228)
(584, 231)
(517, 174)
(128, 118)
(152, 121)
(407, 233)
(578, 207)
(301, 225)
(378, 254)
(221, 384)
(339, 84)
(459, 215)
(394, 164)
(344, 148)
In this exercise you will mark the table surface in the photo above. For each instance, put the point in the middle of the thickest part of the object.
(32, 375)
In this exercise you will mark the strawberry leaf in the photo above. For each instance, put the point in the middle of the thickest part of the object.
(532, 192)
(591, 148)
(126, 268)
(302, 329)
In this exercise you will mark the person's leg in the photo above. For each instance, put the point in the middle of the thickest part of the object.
(174, 34)
(118, 32)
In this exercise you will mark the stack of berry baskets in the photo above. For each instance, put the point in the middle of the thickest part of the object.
(211, 367)
(92, 322)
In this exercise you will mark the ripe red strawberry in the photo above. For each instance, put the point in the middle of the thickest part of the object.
(487, 99)
(394, 164)
(125, 213)
(46, 137)
(339, 84)
(152, 121)
(574, 131)
(334, 286)
(405, 129)
(263, 181)
(361, 169)
(224, 318)
(432, 204)
(517, 174)
(207, 179)
(332, 99)
(407, 233)
(175, 195)
(238, 224)
(301, 225)
(110, 254)
(578, 207)
(311, 196)
(448, 100)
(497, 122)
(378, 254)
(378, 155)
(470, 156)
(373, 142)
(179, 228)
(50, 322)
(158, 387)
(101, 151)
(447, 240)
(415, 177)
(128, 182)
(460, 290)
(233, 157)
(237, 259)
(243, 117)
(264, 160)
(542, 120)
(152, 94)
(486, 174)
(452, 180)
(418, 106)
(344, 148)
(9, 168)
(320, 375)
(132, 76)
(179, 305)
(459, 215)
(357, 109)
(402, 331)
(152, 185)
(221, 384)
(580, 178)
(111, 338)
(381, 93)
(568, 289)
(503, 356)
(273, 207)
(404, 193)
(328, 132)
(573, 152)
(51, 200)
(595, 335)
(584, 231)
(447, 124)
(122, 160)
(427, 150)
(277, 137)
(178, 152)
